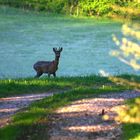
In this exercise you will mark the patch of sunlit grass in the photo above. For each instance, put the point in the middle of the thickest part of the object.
(29, 85)
(10, 87)
(122, 81)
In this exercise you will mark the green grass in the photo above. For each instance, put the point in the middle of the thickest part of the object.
(32, 123)
(131, 131)
(10, 87)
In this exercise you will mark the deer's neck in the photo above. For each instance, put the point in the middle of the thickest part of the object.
(57, 60)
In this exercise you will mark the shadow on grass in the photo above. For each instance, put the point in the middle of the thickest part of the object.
(131, 131)
(24, 127)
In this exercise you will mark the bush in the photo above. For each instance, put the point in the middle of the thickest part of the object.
(78, 7)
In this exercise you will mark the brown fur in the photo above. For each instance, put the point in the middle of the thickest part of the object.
(49, 67)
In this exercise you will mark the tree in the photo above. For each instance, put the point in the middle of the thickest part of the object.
(129, 53)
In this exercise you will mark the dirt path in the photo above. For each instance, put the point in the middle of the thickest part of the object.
(82, 120)
(10, 105)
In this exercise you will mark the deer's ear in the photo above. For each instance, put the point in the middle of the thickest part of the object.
(61, 49)
(54, 49)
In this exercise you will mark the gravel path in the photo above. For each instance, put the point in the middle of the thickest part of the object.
(82, 119)
(11, 105)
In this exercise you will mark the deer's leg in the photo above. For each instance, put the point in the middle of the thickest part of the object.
(54, 74)
(38, 74)
(49, 75)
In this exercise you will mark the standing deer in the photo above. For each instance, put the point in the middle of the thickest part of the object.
(49, 67)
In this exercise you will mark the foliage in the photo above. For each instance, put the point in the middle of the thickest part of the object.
(132, 120)
(95, 7)
(77, 7)
(129, 53)
(131, 113)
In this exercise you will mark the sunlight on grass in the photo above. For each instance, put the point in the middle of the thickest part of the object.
(31, 85)
(122, 81)
(29, 117)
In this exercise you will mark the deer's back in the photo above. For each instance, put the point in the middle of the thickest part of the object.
(45, 66)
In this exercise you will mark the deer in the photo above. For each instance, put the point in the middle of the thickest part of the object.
(49, 67)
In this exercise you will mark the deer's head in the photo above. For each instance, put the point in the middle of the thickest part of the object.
(57, 52)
